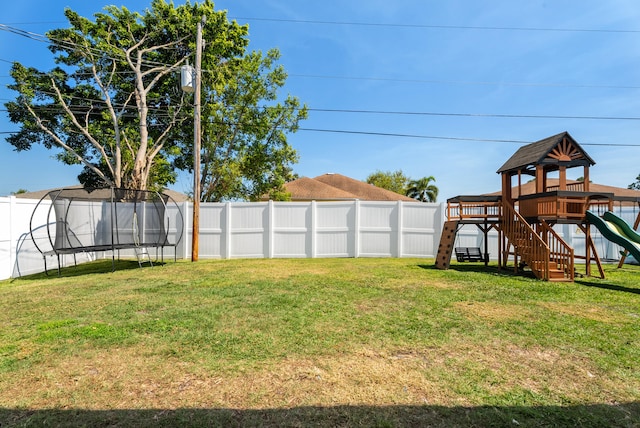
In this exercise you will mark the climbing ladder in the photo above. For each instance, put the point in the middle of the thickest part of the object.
(141, 253)
(447, 240)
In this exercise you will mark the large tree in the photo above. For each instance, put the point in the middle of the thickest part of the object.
(395, 181)
(245, 153)
(423, 190)
(635, 185)
(114, 103)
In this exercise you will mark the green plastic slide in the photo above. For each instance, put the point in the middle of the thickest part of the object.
(617, 230)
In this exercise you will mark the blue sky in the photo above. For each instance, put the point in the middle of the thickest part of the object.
(476, 75)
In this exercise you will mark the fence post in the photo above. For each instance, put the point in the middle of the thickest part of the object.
(185, 230)
(399, 206)
(13, 240)
(270, 233)
(313, 229)
(226, 252)
(356, 230)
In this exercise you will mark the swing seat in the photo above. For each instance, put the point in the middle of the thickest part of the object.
(470, 254)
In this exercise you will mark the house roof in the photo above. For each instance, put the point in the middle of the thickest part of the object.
(306, 188)
(364, 191)
(336, 187)
(551, 151)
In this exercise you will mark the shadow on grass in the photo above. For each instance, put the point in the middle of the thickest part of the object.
(612, 287)
(479, 267)
(95, 267)
(596, 415)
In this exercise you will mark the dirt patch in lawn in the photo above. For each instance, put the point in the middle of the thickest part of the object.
(591, 312)
(493, 312)
(455, 374)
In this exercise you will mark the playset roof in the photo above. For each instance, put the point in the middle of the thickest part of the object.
(560, 149)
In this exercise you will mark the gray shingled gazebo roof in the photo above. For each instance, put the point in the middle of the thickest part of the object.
(538, 154)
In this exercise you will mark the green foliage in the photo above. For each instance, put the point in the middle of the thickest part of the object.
(422, 189)
(114, 104)
(395, 181)
(245, 153)
(636, 184)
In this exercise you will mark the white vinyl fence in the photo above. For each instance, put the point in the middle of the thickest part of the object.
(283, 230)
(317, 229)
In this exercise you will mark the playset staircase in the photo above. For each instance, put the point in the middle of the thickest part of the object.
(547, 255)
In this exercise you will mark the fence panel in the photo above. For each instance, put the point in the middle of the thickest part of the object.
(379, 229)
(292, 229)
(6, 241)
(249, 230)
(336, 229)
(421, 229)
(212, 239)
(26, 258)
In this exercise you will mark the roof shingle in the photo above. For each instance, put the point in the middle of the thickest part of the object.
(536, 153)
(335, 187)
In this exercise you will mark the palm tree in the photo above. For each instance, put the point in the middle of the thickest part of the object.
(422, 189)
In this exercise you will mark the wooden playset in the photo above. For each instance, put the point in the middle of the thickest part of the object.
(525, 222)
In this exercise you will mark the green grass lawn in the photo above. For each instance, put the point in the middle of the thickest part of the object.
(318, 342)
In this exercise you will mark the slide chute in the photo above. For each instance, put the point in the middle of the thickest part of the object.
(617, 231)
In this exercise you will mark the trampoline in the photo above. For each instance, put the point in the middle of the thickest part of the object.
(82, 220)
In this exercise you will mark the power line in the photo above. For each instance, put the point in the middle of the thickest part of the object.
(458, 82)
(95, 103)
(377, 112)
(440, 26)
(399, 25)
(45, 39)
(434, 137)
(420, 81)
(71, 45)
(480, 115)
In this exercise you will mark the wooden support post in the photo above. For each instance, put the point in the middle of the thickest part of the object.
(586, 178)
(562, 182)
(540, 179)
(195, 233)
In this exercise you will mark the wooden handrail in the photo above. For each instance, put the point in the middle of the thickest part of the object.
(574, 187)
(562, 255)
(473, 210)
(527, 243)
(541, 251)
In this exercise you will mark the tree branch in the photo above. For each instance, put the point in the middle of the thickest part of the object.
(116, 170)
(84, 131)
(66, 147)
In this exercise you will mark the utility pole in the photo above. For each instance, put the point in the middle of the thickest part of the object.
(196, 145)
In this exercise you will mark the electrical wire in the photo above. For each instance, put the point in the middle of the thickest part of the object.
(423, 137)
(438, 26)
(466, 83)
(481, 115)
(434, 137)
(42, 38)
(71, 45)
(45, 39)
(159, 110)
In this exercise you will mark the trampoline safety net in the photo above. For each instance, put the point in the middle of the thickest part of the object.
(106, 219)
